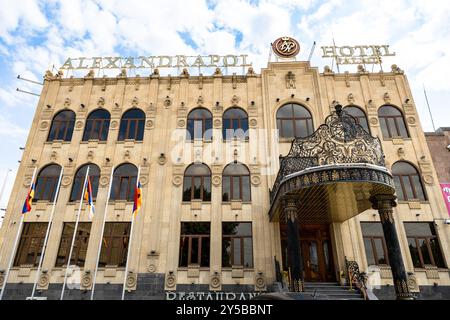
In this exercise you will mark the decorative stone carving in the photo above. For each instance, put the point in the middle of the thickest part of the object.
(234, 80)
(67, 102)
(256, 180)
(48, 75)
(361, 68)
(235, 100)
(126, 155)
(428, 179)
(79, 125)
(123, 73)
(171, 281)
(152, 258)
(401, 153)
(260, 282)
(396, 69)
(184, 73)
(215, 282)
(66, 181)
(143, 179)
(167, 102)
(216, 180)
(373, 121)
(385, 272)
(431, 272)
(253, 122)
(86, 280)
(90, 74)
(131, 281)
(217, 123)
(411, 120)
(44, 280)
(290, 80)
(135, 102)
(217, 72)
(413, 285)
(101, 102)
(169, 82)
(44, 125)
(327, 70)
(386, 97)
(53, 156)
(114, 124)
(149, 124)
(200, 101)
(350, 98)
(200, 81)
(104, 181)
(162, 159)
(251, 72)
(155, 73)
(177, 180)
(181, 123)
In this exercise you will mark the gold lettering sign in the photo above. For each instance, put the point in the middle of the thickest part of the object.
(364, 54)
(156, 62)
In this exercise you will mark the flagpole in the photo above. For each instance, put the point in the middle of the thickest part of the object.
(44, 247)
(19, 231)
(129, 242)
(74, 234)
(101, 234)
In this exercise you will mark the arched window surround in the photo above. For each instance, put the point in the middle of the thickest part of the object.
(393, 126)
(46, 185)
(408, 185)
(236, 185)
(362, 120)
(62, 126)
(197, 185)
(97, 127)
(132, 126)
(199, 126)
(124, 183)
(235, 126)
(78, 180)
(294, 124)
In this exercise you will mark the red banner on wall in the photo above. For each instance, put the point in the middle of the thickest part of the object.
(445, 188)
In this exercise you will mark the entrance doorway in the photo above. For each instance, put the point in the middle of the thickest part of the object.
(317, 256)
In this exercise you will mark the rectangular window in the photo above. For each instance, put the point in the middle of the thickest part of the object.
(80, 245)
(423, 245)
(374, 243)
(194, 244)
(237, 244)
(115, 244)
(31, 243)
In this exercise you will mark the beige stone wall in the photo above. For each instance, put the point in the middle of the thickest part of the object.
(166, 103)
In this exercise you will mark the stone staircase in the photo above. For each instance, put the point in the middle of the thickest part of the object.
(332, 291)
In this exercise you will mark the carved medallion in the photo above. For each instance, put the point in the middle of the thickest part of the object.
(286, 47)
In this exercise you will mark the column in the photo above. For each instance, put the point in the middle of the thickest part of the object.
(384, 204)
(293, 244)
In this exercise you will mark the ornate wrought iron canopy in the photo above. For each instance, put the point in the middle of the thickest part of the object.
(340, 163)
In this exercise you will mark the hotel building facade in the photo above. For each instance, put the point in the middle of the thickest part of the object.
(250, 183)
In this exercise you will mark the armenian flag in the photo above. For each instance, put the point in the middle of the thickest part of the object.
(137, 198)
(88, 197)
(29, 199)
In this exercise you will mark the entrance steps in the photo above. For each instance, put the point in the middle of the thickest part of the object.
(332, 291)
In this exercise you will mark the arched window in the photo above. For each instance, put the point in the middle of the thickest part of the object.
(359, 115)
(124, 182)
(78, 180)
(47, 182)
(197, 182)
(408, 184)
(97, 125)
(132, 125)
(235, 124)
(392, 122)
(294, 120)
(62, 126)
(236, 182)
(199, 125)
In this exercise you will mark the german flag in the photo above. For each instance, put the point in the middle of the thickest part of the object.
(29, 199)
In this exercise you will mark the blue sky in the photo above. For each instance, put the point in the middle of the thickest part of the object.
(35, 35)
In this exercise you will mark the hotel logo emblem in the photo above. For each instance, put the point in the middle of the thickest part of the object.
(286, 47)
